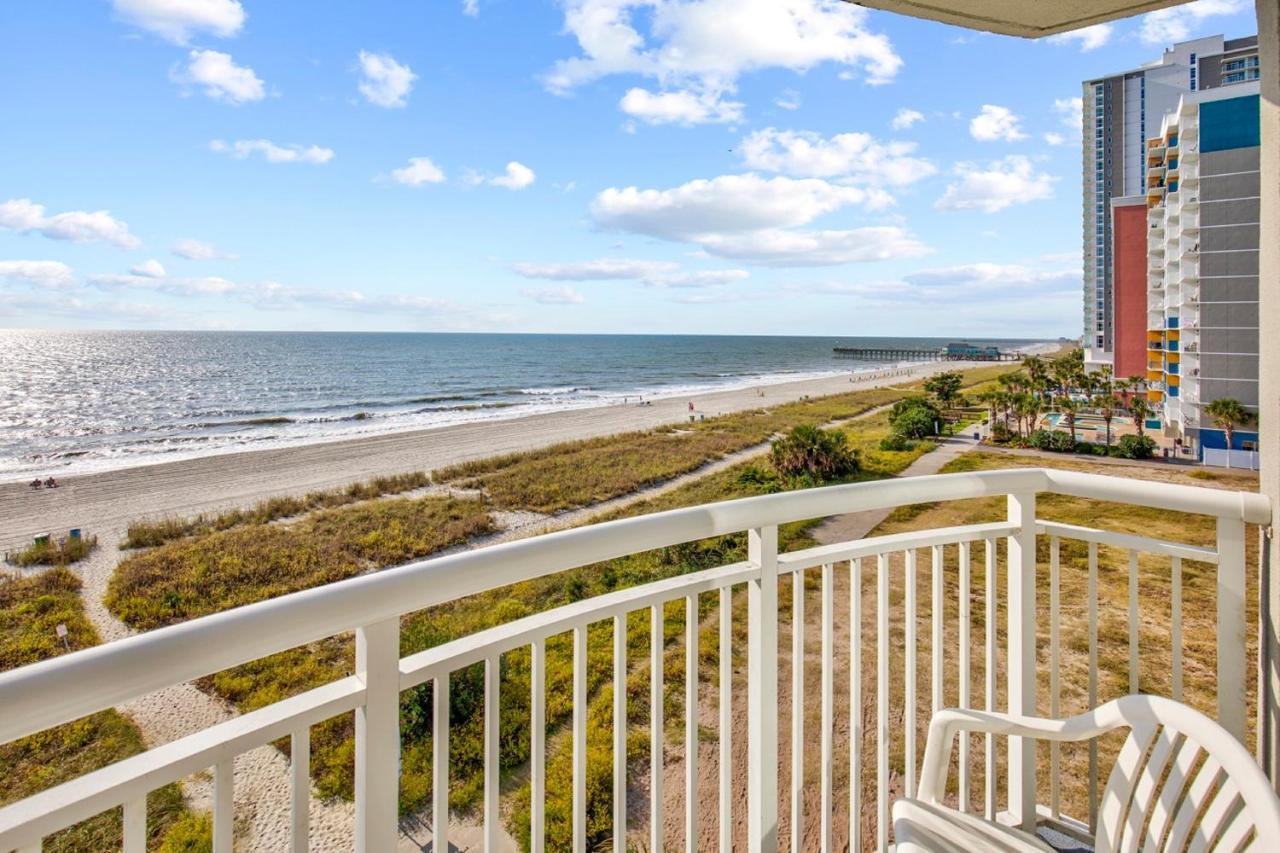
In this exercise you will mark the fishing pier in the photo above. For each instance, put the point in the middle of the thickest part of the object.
(951, 352)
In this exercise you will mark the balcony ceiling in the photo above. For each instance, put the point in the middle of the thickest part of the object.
(1027, 18)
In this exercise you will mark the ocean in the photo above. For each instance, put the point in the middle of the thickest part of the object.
(74, 402)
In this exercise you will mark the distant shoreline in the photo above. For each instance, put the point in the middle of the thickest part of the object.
(103, 503)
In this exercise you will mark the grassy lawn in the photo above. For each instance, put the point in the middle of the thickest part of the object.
(53, 553)
(30, 611)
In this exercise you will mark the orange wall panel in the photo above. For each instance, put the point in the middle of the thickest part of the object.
(1129, 254)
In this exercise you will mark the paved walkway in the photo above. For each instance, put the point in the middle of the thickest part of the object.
(856, 525)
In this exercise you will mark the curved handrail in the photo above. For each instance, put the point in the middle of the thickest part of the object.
(45, 694)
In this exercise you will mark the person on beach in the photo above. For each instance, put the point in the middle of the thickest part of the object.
(35, 484)
(51, 483)
(691, 405)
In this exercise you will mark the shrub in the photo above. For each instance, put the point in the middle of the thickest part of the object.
(1039, 439)
(809, 451)
(895, 442)
(914, 417)
(1135, 447)
(1061, 441)
(54, 553)
(1000, 433)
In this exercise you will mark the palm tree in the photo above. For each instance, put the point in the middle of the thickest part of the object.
(1226, 413)
(1106, 404)
(1068, 371)
(1069, 407)
(1037, 373)
(990, 398)
(1140, 409)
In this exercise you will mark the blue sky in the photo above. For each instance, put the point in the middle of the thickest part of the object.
(702, 166)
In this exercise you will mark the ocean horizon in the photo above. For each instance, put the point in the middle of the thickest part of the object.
(75, 402)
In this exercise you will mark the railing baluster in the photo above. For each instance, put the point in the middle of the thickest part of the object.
(828, 697)
(580, 739)
(909, 686)
(300, 790)
(656, 640)
(989, 748)
(936, 641)
(691, 723)
(440, 763)
(1021, 664)
(620, 732)
(378, 736)
(224, 793)
(797, 708)
(1133, 621)
(762, 686)
(1231, 627)
(725, 734)
(135, 825)
(492, 819)
(538, 745)
(1055, 618)
(1175, 620)
(855, 706)
(882, 702)
(1092, 594)
(963, 666)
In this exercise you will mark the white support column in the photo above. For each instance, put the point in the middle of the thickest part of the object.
(1269, 375)
(378, 736)
(1021, 666)
(1231, 627)
(762, 692)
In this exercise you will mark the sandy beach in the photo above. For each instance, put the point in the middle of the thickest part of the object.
(109, 500)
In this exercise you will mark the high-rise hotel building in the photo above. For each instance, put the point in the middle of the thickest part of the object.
(1202, 202)
(1119, 112)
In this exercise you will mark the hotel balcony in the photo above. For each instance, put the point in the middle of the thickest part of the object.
(736, 618)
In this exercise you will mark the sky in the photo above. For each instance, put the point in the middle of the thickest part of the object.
(597, 166)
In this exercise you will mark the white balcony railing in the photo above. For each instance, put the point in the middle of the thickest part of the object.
(47, 694)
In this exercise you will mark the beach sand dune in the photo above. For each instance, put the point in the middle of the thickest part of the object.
(110, 499)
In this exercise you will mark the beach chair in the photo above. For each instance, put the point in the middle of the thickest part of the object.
(1180, 782)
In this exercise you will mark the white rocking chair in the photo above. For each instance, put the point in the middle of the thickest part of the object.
(1181, 782)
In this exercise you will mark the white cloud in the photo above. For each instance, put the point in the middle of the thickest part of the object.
(517, 177)
(904, 118)
(52, 275)
(563, 295)
(727, 204)
(383, 81)
(856, 156)
(78, 226)
(196, 250)
(799, 248)
(1088, 38)
(271, 152)
(1166, 26)
(1070, 110)
(220, 77)
(653, 273)
(419, 171)
(149, 268)
(704, 47)
(178, 20)
(471, 8)
(1054, 139)
(1012, 180)
(788, 100)
(683, 107)
(995, 123)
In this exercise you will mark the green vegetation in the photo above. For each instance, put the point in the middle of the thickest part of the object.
(915, 417)
(147, 533)
(48, 552)
(31, 609)
(581, 473)
(945, 387)
(205, 574)
(813, 453)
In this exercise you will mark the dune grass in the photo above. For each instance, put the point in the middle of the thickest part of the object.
(30, 610)
(148, 533)
(216, 571)
(53, 553)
